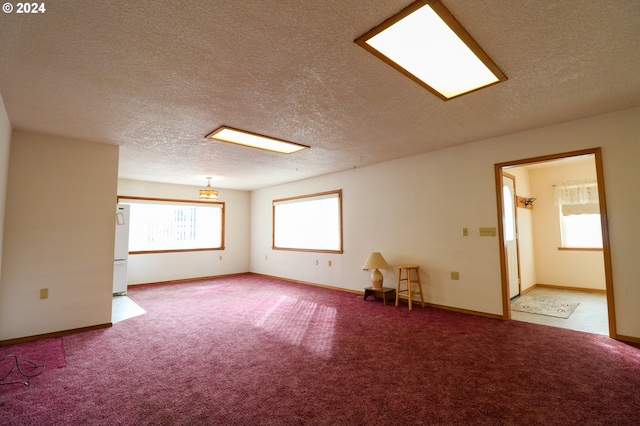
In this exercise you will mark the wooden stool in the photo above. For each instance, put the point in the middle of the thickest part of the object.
(409, 283)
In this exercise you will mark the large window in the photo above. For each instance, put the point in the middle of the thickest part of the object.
(309, 222)
(579, 210)
(581, 230)
(161, 225)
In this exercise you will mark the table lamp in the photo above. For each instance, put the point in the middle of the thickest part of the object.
(374, 262)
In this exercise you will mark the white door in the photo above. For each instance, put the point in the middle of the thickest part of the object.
(511, 233)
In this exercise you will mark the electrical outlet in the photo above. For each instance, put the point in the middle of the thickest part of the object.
(220, 257)
(265, 257)
(44, 293)
(329, 263)
(316, 262)
(455, 275)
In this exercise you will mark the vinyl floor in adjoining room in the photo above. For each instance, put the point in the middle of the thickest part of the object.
(123, 308)
(590, 316)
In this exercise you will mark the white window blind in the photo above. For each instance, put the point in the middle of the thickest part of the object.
(168, 225)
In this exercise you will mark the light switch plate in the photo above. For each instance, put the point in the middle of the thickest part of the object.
(487, 232)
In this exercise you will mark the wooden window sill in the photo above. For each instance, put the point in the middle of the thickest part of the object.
(580, 248)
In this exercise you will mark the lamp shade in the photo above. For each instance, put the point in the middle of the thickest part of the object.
(375, 261)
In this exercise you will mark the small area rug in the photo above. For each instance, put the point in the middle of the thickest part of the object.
(543, 306)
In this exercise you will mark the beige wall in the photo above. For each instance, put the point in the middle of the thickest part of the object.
(413, 209)
(58, 234)
(150, 268)
(5, 139)
(579, 269)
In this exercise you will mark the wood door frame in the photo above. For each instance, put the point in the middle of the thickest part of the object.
(606, 248)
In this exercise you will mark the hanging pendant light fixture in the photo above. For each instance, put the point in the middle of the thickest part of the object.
(208, 193)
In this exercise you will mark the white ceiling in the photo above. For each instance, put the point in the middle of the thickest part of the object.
(155, 77)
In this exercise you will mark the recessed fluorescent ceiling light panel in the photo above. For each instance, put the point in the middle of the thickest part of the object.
(426, 43)
(253, 140)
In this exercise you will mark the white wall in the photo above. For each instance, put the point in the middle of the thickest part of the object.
(160, 267)
(581, 269)
(413, 209)
(58, 234)
(5, 139)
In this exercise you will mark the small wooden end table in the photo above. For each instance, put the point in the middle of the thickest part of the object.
(385, 293)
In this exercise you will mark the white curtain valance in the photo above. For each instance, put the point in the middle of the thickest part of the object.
(576, 193)
(569, 209)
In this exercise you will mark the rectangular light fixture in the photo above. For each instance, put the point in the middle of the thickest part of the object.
(254, 140)
(426, 43)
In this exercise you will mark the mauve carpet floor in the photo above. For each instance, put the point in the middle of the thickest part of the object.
(251, 350)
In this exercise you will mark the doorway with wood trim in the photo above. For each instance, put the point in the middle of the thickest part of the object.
(508, 234)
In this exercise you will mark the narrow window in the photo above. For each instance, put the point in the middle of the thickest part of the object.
(309, 223)
(509, 224)
(161, 225)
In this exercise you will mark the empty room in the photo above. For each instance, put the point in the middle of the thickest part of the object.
(333, 212)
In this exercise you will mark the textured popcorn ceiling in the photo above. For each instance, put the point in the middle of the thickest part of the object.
(155, 77)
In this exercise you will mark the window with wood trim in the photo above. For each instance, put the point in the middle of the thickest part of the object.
(308, 222)
(580, 230)
(579, 209)
(167, 225)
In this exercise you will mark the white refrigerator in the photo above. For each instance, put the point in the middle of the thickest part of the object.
(121, 252)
